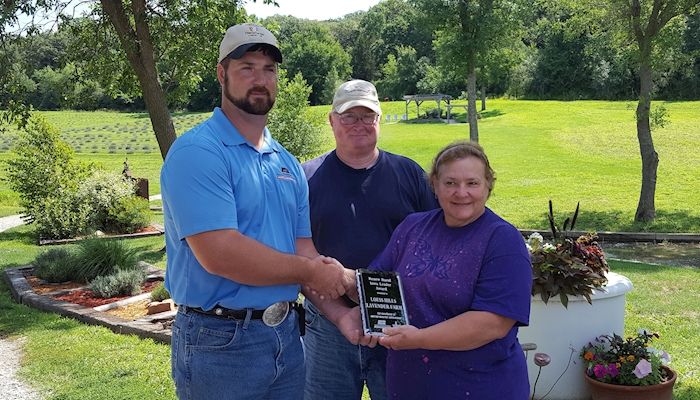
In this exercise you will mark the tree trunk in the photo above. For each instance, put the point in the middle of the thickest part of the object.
(646, 210)
(138, 46)
(471, 106)
(483, 97)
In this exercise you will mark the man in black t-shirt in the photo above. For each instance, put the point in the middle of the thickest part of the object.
(358, 194)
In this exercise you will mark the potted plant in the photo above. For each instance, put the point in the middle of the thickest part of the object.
(621, 369)
(574, 298)
(566, 266)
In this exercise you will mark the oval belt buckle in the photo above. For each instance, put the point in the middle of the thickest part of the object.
(275, 314)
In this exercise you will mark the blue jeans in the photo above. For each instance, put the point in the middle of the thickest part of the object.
(216, 358)
(337, 369)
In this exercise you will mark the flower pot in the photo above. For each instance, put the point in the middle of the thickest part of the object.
(606, 391)
(561, 332)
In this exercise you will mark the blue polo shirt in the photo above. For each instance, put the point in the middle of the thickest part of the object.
(212, 179)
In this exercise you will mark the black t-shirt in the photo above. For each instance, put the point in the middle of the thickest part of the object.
(354, 211)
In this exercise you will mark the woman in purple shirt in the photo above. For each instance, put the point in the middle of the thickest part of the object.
(467, 276)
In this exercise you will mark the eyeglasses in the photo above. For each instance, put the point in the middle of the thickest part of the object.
(350, 119)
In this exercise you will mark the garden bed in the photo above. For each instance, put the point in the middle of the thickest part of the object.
(121, 314)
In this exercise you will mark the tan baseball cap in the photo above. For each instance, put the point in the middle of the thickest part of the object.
(239, 38)
(356, 93)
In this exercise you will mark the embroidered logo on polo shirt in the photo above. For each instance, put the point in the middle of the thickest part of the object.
(285, 175)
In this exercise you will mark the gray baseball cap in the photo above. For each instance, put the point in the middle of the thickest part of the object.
(356, 93)
(239, 38)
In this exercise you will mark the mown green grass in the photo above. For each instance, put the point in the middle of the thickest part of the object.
(583, 151)
(68, 360)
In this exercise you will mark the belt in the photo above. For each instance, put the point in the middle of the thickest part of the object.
(223, 312)
(271, 316)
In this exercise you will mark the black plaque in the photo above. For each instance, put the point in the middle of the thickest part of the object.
(381, 301)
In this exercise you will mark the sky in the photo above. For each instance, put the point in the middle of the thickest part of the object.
(309, 9)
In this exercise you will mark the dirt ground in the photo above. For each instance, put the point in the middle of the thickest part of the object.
(673, 254)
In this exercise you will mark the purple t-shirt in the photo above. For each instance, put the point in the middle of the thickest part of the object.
(445, 272)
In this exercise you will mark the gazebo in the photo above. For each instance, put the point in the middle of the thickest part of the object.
(420, 98)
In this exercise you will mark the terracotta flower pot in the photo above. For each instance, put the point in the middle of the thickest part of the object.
(606, 391)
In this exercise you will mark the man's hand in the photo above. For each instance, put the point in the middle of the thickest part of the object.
(350, 284)
(350, 325)
(404, 337)
(326, 278)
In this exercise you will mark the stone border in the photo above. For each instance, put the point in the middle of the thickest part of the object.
(625, 237)
(159, 231)
(150, 326)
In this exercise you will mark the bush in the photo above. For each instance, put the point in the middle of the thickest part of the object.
(55, 265)
(101, 191)
(62, 216)
(159, 293)
(102, 257)
(290, 121)
(123, 282)
(128, 215)
(42, 167)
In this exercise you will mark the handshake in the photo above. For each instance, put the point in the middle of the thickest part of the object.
(327, 278)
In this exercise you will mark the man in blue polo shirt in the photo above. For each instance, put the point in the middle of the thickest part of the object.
(238, 239)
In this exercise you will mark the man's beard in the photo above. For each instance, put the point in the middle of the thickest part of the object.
(261, 106)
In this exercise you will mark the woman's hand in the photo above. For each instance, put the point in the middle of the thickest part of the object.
(403, 337)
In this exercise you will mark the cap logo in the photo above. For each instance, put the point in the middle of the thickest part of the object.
(253, 32)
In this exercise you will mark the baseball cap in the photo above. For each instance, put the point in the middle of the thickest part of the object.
(239, 38)
(356, 93)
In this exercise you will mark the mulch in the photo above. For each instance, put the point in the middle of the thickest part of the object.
(78, 293)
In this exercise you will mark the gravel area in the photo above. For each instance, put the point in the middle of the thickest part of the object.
(10, 387)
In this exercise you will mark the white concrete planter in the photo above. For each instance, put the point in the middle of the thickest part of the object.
(557, 331)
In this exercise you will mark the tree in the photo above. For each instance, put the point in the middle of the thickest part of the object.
(161, 40)
(645, 21)
(400, 74)
(468, 29)
(383, 29)
(309, 48)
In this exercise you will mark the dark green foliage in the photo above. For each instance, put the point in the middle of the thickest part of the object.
(55, 265)
(128, 215)
(121, 283)
(101, 257)
(310, 49)
(159, 293)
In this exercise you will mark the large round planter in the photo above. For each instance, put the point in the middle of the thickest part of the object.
(562, 332)
(606, 391)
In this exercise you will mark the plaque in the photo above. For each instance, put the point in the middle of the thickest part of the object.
(381, 301)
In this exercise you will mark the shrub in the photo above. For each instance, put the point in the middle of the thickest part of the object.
(101, 190)
(159, 293)
(123, 282)
(290, 121)
(127, 215)
(62, 216)
(102, 257)
(42, 166)
(55, 265)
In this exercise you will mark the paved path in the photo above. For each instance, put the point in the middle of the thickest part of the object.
(10, 222)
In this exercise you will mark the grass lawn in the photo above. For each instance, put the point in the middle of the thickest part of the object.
(583, 151)
(69, 360)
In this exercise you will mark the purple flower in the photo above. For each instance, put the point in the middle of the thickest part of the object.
(600, 371)
(613, 370)
(642, 369)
